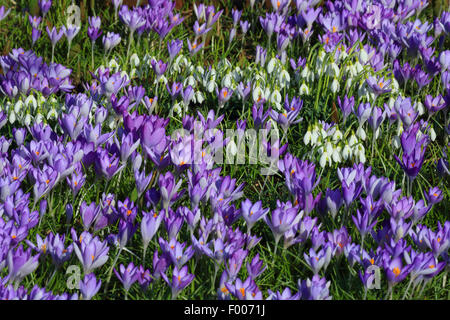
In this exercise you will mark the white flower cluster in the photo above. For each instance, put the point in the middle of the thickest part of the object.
(33, 108)
(331, 145)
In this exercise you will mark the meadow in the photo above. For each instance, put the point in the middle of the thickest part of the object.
(243, 150)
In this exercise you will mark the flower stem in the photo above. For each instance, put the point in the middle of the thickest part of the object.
(111, 269)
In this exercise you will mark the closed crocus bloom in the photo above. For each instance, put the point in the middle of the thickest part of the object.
(19, 135)
(3, 12)
(174, 47)
(44, 5)
(444, 59)
(110, 41)
(149, 226)
(89, 286)
(54, 35)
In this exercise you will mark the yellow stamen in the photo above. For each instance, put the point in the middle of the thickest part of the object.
(396, 271)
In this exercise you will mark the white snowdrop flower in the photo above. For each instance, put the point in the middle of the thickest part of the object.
(314, 137)
(178, 109)
(200, 70)
(275, 97)
(134, 60)
(337, 136)
(324, 159)
(133, 73)
(227, 81)
(359, 68)
(363, 56)
(335, 86)
(361, 133)
(284, 78)
(432, 134)
(271, 65)
(41, 100)
(27, 119)
(52, 113)
(112, 64)
(18, 106)
(336, 155)
(12, 117)
(231, 148)
(394, 85)
(30, 101)
(420, 108)
(399, 128)
(176, 63)
(334, 69)
(346, 152)
(305, 72)
(396, 142)
(360, 154)
(198, 97)
(307, 136)
(111, 122)
(212, 85)
(304, 90)
(39, 118)
(352, 141)
(190, 81)
(328, 147)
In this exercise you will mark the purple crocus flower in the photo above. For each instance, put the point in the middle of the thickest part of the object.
(434, 104)
(194, 47)
(20, 263)
(379, 86)
(159, 67)
(94, 31)
(180, 280)
(110, 40)
(34, 21)
(347, 105)
(434, 195)
(89, 286)
(168, 189)
(132, 18)
(54, 35)
(149, 226)
(174, 48)
(284, 217)
(35, 35)
(255, 267)
(44, 5)
(252, 212)
(315, 288)
(128, 276)
(395, 271)
(224, 95)
(91, 251)
(319, 260)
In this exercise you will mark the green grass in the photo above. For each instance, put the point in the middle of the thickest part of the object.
(288, 266)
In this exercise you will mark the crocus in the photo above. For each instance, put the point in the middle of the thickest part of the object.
(127, 276)
(252, 212)
(91, 251)
(89, 286)
(20, 264)
(149, 226)
(3, 12)
(180, 280)
(54, 36)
